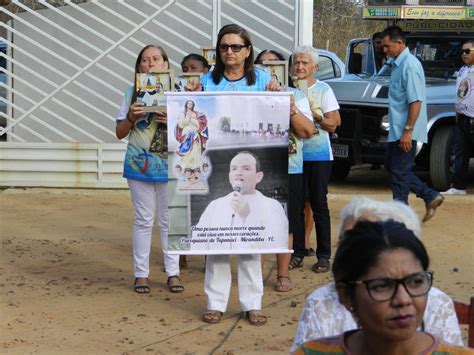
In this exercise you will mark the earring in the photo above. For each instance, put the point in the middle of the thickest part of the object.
(351, 308)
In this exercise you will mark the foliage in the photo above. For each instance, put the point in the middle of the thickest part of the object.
(338, 21)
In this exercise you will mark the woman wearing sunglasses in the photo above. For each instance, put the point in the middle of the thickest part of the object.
(382, 278)
(234, 71)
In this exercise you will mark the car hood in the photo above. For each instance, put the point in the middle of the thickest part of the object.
(374, 91)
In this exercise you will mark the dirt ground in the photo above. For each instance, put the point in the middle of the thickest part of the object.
(66, 277)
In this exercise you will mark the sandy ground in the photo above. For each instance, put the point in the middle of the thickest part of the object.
(66, 276)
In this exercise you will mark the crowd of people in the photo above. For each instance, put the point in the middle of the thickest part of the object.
(382, 299)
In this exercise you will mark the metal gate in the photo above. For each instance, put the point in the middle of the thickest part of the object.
(68, 62)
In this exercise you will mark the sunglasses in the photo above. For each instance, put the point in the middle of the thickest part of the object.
(467, 51)
(236, 48)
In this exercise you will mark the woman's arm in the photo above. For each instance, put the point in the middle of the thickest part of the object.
(301, 125)
(124, 126)
(329, 121)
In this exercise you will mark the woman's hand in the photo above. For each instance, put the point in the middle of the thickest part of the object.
(316, 116)
(161, 117)
(292, 105)
(272, 86)
(135, 111)
(193, 85)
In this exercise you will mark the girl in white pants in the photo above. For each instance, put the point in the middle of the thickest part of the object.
(146, 198)
(147, 173)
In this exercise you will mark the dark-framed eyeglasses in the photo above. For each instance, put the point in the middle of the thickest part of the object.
(467, 51)
(236, 48)
(384, 289)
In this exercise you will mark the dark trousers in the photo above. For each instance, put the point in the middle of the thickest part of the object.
(316, 176)
(400, 166)
(295, 204)
(462, 151)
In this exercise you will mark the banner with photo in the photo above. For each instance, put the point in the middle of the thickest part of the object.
(228, 172)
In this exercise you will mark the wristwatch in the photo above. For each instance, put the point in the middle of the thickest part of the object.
(409, 128)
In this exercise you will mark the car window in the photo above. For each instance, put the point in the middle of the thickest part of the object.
(327, 69)
(440, 57)
(361, 58)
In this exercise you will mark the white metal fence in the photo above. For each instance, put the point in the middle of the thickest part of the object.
(67, 67)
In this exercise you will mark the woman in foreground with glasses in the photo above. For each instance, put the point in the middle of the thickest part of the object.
(382, 278)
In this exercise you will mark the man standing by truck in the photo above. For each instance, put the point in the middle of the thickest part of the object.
(408, 122)
(464, 120)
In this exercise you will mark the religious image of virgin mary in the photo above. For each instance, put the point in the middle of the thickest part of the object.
(192, 134)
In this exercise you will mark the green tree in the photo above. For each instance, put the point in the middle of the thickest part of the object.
(336, 22)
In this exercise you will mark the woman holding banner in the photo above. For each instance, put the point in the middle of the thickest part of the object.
(146, 174)
(234, 71)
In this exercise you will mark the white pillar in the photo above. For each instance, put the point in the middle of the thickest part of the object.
(304, 22)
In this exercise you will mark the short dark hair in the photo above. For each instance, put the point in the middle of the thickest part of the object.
(258, 167)
(198, 57)
(219, 67)
(394, 33)
(377, 35)
(362, 246)
(471, 41)
(277, 54)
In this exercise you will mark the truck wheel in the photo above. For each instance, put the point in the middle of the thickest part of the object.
(340, 170)
(441, 159)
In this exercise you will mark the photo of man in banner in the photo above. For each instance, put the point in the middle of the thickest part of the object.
(244, 219)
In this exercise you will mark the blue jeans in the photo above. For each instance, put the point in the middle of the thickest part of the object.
(399, 164)
(462, 151)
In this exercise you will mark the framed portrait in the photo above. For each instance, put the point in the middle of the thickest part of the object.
(278, 70)
(210, 54)
(151, 88)
(301, 84)
(186, 78)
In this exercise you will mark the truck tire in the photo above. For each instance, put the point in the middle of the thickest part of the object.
(340, 170)
(441, 158)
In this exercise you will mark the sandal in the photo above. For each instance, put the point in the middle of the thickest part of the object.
(255, 318)
(174, 284)
(321, 266)
(283, 284)
(295, 262)
(141, 288)
(213, 317)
